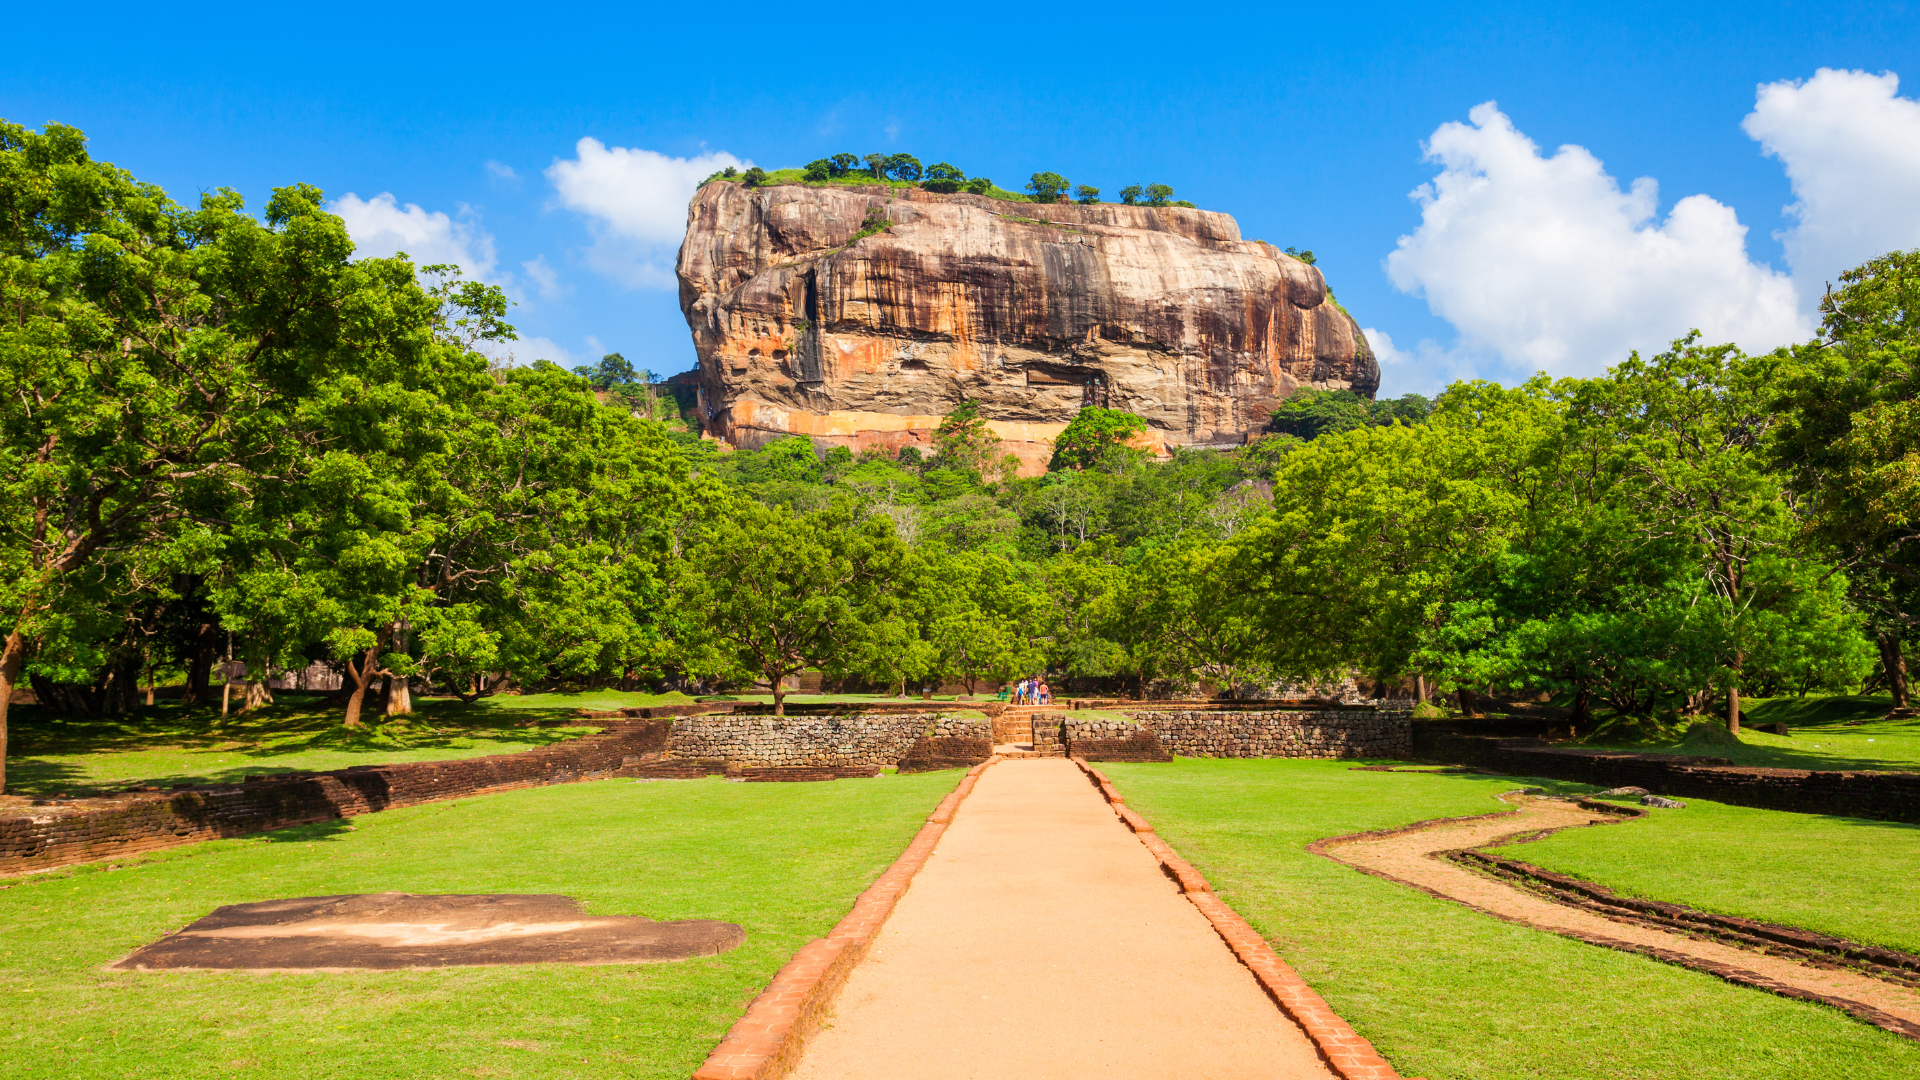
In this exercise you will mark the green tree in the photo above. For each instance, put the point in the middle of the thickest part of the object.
(1159, 195)
(843, 164)
(980, 185)
(943, 178)
(769, 593)
(1132, 194)
(818, 172)
(903, 167)
(754, 176)
(1092, 435)
(612, 372)
(1308, 413)
(877, 165)
(1850, 436)
(984, 621)
(1086, 195)
(964, 441)
(1303, 256)
(1047, 187)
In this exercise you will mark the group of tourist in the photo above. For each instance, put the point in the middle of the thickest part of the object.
(1034, 691)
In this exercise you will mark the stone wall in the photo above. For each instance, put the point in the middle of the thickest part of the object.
(1329, 733)
(855, 740)
(1883, 796)
(82, 830)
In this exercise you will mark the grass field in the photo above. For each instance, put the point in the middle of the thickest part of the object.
(169, 744)
(1821, 736)
(783, 860)
(1447, 993)
(1843, 876)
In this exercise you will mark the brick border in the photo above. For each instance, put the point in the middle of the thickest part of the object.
(765, 1044)
(1737, 976)
(1346, 1052)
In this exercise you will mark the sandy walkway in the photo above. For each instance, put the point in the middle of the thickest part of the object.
(1408, 858)
(1042, 941)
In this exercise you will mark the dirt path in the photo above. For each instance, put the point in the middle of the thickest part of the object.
(1408, 857)
(1042, 941)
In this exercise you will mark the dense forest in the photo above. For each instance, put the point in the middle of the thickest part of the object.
(223, 432)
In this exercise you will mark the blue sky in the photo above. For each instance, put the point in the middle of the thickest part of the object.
(1307, 123)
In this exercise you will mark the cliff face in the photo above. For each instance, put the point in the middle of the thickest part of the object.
(1031, 310)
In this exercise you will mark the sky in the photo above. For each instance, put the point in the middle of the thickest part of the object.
(1491, 189)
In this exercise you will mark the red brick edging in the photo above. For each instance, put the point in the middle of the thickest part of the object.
(765, 1043)
(1347, 1053)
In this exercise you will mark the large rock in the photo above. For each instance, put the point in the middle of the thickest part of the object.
(1031, 310)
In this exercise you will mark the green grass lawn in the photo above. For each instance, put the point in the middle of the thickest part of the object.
(1821, 738)
(1843, 876)
(783, 860)
(1447, 993)
(170, 744)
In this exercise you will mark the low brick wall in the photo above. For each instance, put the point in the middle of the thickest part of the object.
(1328, 733)
(43, 836)
(855, 740)
(1883, 796)
(930, 754)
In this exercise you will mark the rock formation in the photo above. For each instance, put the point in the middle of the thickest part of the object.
(859, 316)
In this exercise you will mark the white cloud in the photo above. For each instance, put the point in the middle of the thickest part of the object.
(545, 280)
(636, 201)
(1544, 263)
(529, 349)
(503, 173)
(381, 227)
(1851, 147)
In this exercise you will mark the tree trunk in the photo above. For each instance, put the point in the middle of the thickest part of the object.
(1582, 707)
(360, 676)
(1894, 664)
(779, 696)
(1733, 696)
(1420, 688)
(256, 695)
(11, 662)
(1465, 697)
(399, 695)
(206, 650)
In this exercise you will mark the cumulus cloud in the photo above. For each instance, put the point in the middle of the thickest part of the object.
(636, 205)
(1851, 147)
(529, 349)
(381, 227)
(1545, 263)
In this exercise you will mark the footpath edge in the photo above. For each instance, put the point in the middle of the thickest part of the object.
(766, 1042)
(1346, 1052)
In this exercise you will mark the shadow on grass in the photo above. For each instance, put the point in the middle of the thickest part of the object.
(277, 737)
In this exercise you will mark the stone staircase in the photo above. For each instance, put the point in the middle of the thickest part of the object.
(1013, 730)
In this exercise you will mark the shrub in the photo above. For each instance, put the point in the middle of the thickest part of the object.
(818, 171)
(754, 176)
(1303, 256)
(1047, 187)
(979, 185)
(1086, 195)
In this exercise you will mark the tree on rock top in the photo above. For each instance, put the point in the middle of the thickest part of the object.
(1047, 187)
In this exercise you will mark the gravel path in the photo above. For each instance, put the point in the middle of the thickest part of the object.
(1408, 857)
(1042, 941)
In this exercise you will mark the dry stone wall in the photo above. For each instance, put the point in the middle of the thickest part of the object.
(855, 740)
(1329, 733)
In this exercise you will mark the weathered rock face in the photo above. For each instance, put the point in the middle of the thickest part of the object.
(1032, 310)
